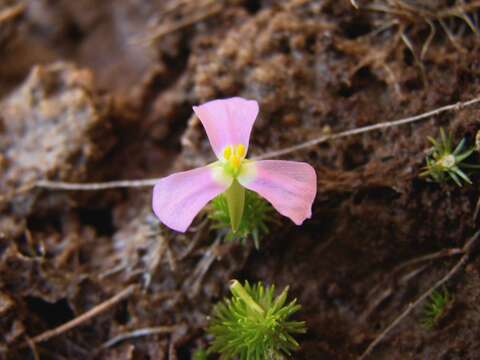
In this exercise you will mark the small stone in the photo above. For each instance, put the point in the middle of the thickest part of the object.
(6, 303)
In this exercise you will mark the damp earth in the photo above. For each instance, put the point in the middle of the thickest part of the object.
(95, 91)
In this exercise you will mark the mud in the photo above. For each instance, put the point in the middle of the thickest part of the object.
(103, 91)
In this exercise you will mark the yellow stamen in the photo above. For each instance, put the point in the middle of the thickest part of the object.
(227, 152)
(233, 155)
(240, 151)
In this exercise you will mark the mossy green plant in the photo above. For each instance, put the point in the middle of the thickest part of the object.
(435, 308)
(254, 324)
(257, 215)
(200, 354)
(444, 162)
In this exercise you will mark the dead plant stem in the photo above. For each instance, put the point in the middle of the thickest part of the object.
(463, 260)
(11, 12)
(58, 185)
(157, 330)
(163, 31)
(368, 128)
(100, 308)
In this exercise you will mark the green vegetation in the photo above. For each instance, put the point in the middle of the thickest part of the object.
(435, 308)
(254, 325)
(257, 214)
(444, 162)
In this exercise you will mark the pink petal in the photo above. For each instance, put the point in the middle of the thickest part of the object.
(290, 186)
(227, 121)
(178, 198)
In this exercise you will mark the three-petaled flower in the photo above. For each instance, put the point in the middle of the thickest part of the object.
(290, 186)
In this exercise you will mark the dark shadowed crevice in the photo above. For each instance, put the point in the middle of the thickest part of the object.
(253, 6)
(356, 27)
(100, 219)
(53, 314)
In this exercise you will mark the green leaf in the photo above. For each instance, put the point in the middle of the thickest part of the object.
(459, 147)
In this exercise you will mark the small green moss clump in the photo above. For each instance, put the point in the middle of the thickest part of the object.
(444, 162)
(435, 308)
(200, 354)
(254, 223)
(253, 324)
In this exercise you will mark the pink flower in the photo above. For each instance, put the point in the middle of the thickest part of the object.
(290, 186)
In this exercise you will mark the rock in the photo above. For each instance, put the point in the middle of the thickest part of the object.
(54, 127)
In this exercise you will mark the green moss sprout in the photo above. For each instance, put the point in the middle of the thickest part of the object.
(444, 162)
(254, 325)
(254, 223)
(435, 308)
(200, 354)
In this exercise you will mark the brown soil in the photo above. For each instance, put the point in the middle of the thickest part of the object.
(98, 91)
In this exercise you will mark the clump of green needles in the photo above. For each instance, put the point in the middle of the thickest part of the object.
(445, 162)
(254, 223)
(253, 324)
(435, 308)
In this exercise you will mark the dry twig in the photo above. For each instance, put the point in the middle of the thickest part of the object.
(157, 330)
(56, 185)
(365, 129)
(403, 16)
(11, 12)
(60, 185)
(97, 310)
(467, 249)
(33, 348)
(189, 21)
(193, 284)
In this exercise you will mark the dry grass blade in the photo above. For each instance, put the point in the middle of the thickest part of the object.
(412, 15)
(11, 12)
(33, 348)
(54, 185)
(157, 330)
(467, 251)
(383, 290)
(21, 190)
(193, 284)
(365, 129)
(181, 24)
(430, 37)
(60, 185)
(100, 308)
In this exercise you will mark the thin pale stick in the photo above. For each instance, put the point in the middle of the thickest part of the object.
(430, 37)
(380, 288)
(59, 185)
(11, 12)
(467, 248)
(310, 143)
(157, 330)
(97, 310)
(384, 293)
(450, 36)
(23, 189)
(433, 256)
(364, 129)
(33, 348)
(179, 25)
(409, 45)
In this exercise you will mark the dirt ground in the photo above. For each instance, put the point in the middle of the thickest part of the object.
(96, 91)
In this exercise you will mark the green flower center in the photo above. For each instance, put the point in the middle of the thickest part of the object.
(233, 157)
(447, 161)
